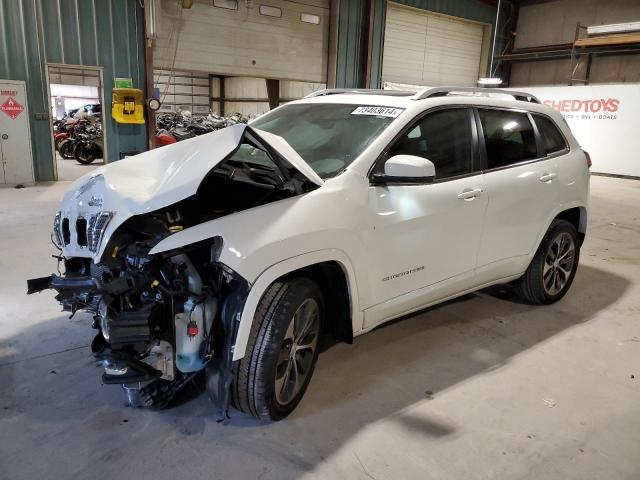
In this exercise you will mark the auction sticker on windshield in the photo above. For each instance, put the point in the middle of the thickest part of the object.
(378, 111)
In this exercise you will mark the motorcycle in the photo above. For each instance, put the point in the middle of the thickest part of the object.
(175, 127)
(66, 141)
(66, 148)
(164, 138)
(88, 146)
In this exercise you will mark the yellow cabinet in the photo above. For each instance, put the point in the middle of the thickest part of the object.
(127, 105)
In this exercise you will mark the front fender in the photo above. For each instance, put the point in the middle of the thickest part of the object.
(271, 274)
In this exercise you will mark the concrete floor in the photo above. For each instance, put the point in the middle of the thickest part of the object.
(483, 387)
(69, 170)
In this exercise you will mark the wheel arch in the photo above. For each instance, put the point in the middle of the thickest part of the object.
(574, 213)
(577, 216)
(325, 267)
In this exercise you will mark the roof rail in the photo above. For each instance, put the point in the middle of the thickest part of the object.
(444, 91)
(360, 91)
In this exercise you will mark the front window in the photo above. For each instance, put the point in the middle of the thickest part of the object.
(327, 136)
(444, 138)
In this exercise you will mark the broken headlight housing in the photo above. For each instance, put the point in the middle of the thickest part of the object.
(57, 233)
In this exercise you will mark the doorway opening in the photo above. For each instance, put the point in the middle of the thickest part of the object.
(76, 100)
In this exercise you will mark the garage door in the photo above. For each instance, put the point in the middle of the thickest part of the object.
(182, 90)
(283, 39)
(429, 49)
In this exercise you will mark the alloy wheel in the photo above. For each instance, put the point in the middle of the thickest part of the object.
(295, 361)
(558, 263)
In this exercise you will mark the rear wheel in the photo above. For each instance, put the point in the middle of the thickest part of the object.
(271, 379)
(553, 267)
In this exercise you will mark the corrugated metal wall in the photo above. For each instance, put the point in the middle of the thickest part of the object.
(470, 9)
(351, 15)
(379, 20)
(77, 32)
(351, 20)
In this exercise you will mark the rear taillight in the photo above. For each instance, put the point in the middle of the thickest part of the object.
(587, 158)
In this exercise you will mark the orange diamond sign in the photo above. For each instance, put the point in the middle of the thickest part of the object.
(12, 108)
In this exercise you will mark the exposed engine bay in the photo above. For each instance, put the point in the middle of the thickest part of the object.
(164, 319)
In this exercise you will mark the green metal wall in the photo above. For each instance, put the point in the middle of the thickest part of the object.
(469, 9)
(105, 33)
(379, 19)
(349, 50)
(351, 20)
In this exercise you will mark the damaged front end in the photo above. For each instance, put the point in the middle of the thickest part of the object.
(164, 319)
(161, 319)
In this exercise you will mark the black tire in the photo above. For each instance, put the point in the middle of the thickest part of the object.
(532, 286)
(254, 376)
(66, 148)
(85, 152)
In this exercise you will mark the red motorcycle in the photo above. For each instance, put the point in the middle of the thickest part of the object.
(63, 131)
(163, 138)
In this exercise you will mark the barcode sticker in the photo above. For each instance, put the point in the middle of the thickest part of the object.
(378, 111)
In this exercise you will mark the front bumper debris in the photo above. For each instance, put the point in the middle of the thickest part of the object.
(80, 283)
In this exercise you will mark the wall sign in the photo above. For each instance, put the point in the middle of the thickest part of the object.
(11, 108)
(604, 120)
(123, 82)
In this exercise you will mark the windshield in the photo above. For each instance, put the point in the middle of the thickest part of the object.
(327, 136)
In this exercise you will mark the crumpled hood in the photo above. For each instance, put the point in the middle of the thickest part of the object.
(163, 176)
(158, 178)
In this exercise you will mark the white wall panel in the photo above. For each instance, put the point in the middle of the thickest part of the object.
(294, 90)
(74, 91)
(74, 76)
(245, 87)
(247, 109)
(215, 87)
(242, 42)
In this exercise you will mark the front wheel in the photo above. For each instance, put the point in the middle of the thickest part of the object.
(553, 267)
(66, 148)
(85, 152)
(271, 379)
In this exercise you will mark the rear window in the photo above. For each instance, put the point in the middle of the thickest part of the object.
(508, 137)
(552, 139)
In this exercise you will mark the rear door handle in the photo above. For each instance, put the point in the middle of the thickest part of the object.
(547, 177)
(469, 194)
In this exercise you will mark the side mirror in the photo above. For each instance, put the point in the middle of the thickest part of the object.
(406, 170)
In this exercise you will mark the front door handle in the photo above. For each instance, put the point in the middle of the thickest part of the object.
(469, 194)
(547, 177)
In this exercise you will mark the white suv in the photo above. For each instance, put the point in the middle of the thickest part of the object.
(231, 252)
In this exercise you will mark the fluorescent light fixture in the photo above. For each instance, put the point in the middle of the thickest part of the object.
(489, 81)
(613, 28)
(228, 4)
(310, 18)
(270, 11)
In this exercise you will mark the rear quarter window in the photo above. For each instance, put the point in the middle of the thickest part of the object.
(552, 139)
